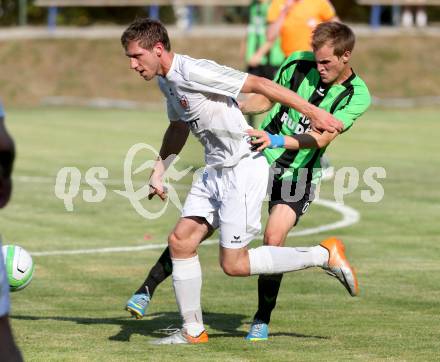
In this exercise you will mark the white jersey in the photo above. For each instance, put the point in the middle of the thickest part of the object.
(202, 93)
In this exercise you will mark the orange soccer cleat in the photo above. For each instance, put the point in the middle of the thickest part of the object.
(338, 265)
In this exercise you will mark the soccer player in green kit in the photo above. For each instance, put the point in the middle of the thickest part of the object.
(325, 79)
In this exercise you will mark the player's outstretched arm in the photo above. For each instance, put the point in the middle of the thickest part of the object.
(311, 139)
(320, 119)
(255, 104)
(173, 141)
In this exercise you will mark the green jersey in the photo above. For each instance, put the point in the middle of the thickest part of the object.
(256, 35)
(346, 101)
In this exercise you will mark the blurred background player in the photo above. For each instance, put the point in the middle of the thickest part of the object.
(263, 57)
(293, 21)
(8, 350)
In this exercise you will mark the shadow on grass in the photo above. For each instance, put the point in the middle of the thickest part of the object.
(226, 324)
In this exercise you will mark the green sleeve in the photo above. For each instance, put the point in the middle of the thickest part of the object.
(353, 107)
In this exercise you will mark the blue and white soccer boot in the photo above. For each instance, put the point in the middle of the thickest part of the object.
(137, 305)
(259, 331)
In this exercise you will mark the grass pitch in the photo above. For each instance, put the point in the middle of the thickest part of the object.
(73, 309)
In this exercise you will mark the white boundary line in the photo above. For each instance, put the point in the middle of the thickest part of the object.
(350, 216)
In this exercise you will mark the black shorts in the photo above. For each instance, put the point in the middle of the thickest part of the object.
(265, 71)
(297, 195)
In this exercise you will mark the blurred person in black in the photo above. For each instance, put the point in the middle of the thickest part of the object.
(8, 349)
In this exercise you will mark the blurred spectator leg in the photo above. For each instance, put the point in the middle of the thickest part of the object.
(376, 11)
(190, 15)
(22, 12)
(52, 18)
(154, 12)
(184, 16)
(395, 15)
(407, 17)
(421, 17)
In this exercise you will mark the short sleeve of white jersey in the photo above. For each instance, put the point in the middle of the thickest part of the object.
(208, 76)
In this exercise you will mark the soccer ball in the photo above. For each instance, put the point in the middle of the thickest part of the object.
(19, 267)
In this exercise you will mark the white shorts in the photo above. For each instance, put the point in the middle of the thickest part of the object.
(4, 287)
(230, 198)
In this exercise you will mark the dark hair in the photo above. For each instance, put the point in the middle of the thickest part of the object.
(147, 32)
(339, 35)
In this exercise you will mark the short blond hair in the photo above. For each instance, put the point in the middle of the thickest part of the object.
(339, 35)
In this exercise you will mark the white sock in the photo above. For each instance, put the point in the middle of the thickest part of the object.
(275, 259)
(187, 283)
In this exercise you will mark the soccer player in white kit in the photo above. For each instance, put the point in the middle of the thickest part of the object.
(8, 350)
(200, 97)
